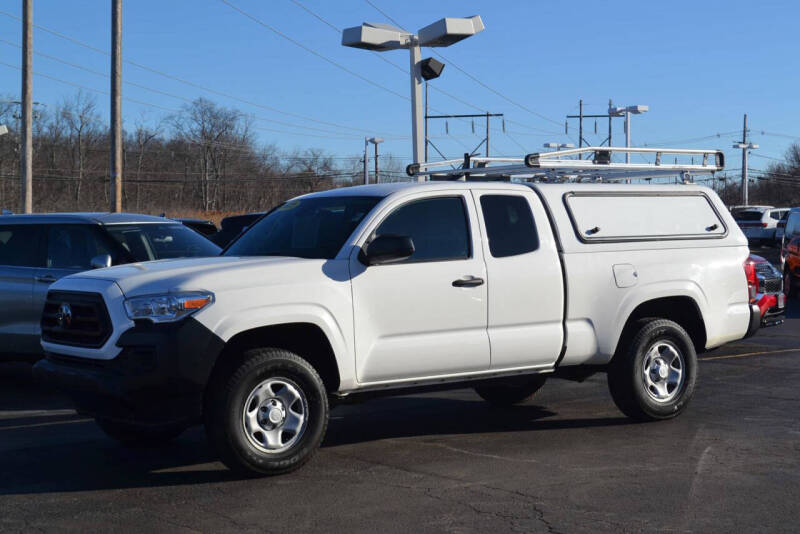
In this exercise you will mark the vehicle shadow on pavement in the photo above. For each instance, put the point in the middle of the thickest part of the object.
(19, 390)
(71, 454)
(402, 417)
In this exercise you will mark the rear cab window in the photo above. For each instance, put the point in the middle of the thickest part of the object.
(614, 217)
(509, 225)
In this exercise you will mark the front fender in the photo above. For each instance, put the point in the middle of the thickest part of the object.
(242, 320)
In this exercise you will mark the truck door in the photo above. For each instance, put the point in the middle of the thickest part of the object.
(526, 288)
(425, 316)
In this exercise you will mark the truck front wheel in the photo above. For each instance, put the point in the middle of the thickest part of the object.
(267, 415)
(653, 374)
(511, 393)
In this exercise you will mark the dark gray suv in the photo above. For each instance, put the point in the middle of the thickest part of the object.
(37, 250)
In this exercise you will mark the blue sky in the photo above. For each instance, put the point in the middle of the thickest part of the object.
(698, 65)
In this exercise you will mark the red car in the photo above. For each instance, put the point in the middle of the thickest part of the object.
(765, 284)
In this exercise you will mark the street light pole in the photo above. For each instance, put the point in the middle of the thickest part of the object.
(383, 37)
(375, 141)
(417, 135)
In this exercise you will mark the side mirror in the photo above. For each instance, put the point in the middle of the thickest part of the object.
(387, 249)
(101, 261)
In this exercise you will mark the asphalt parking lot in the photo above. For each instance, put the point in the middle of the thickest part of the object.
(568, 461)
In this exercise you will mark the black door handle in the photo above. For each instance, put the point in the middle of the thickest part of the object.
(468, 282)
(46, 279)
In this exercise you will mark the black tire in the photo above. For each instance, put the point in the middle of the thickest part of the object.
(137, 435)
(790, 285)
(627, 381)
(225, 413)
(511, 393)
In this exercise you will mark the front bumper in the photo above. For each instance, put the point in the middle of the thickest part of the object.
(772, 307)
(158, 377)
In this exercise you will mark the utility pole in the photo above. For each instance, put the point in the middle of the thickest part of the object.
(366, 160)
(580, 126)
(486, 115)
(377, 180)
(487, 133)
(26, 158)
(610, 105)
(745, 199)
(116, 106)
(745, 146)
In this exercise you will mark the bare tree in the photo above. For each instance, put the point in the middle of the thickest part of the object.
(80, 116)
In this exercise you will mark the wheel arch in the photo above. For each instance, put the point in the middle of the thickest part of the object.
(682, 309)
(306, 339)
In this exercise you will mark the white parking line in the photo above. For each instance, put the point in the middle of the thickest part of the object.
(747, 354)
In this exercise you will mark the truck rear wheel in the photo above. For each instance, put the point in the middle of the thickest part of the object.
(511, 393)
(137, 435)
(268, 415)
(653, 374)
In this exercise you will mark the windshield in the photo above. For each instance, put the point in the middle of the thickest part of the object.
(315, 227)
(147, 242)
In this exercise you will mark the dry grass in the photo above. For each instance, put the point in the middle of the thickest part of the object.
(213, 216)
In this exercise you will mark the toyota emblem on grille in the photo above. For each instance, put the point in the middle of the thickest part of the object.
(64, 315)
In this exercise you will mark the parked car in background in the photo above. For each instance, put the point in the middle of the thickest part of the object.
(758, 222)
(231, 227)
(201, 226)
(765, 286)
(781, 227)
(37, 250)
(790, 254)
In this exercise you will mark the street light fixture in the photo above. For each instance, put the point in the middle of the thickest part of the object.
(627, 111)
(558, 146)
(383, 37)
(375, 141)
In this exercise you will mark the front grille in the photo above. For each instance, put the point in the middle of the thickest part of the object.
(77, 319)
(771, 285)
(765, 269)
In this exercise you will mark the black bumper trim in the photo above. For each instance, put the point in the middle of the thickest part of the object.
(158, 377)
(755, 320)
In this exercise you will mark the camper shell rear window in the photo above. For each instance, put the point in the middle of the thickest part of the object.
(600, 216)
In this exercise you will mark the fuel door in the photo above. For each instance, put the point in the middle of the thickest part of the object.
(625, 275)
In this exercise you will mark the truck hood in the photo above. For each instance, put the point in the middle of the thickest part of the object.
(214, 273)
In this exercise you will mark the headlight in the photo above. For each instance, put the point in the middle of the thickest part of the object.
(167, 308)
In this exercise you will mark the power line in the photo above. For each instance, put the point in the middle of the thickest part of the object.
(190, 83)
(469, 75)
(311, 50)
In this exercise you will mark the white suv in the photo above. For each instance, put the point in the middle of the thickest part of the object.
(759, 223)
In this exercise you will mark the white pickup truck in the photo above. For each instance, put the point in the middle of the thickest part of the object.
(391, 288)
